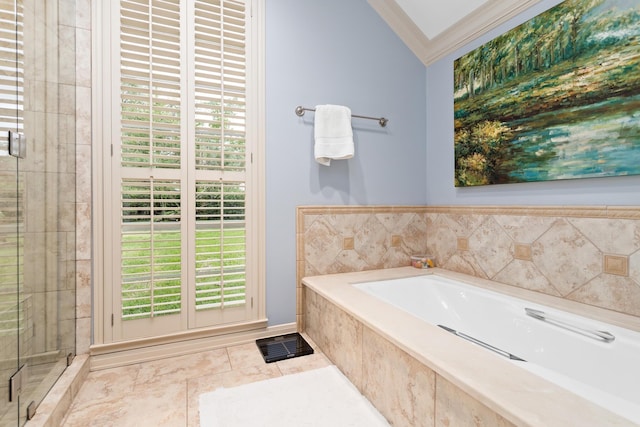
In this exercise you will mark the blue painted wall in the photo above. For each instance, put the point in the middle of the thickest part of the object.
(439, 162)
(342, 52)
(335, 52)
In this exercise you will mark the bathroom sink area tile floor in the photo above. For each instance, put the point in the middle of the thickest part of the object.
(166, 392)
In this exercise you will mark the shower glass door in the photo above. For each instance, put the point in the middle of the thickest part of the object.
(11, 197)
(11, 242)
(9, 276)
(37, 201)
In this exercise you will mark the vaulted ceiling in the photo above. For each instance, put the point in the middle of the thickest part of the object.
(435, 28)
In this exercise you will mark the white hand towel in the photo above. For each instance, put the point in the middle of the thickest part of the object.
(333, 134)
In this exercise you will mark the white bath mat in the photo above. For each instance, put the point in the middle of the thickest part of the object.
(318, 398)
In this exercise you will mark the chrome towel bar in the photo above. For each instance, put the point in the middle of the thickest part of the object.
(598, 335)
(381, 120)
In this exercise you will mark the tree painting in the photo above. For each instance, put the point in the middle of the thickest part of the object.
(557, 97)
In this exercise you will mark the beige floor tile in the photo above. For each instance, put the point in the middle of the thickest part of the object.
(101, 413)
(303, 363)
(166, 392)
(244, 356)
(182, 368)
(107, 385)
(145, 406)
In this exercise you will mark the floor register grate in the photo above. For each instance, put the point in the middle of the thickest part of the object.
(283, 347)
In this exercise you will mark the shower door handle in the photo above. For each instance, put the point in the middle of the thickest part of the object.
(17, 144)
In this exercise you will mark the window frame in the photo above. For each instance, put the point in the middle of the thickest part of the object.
(105, 104)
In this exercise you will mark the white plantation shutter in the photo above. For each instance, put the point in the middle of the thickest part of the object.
(150, 159)
(150, 83)
(220, 153)
(151, 248)
(220, 244)
(179, 167)
(220, 74)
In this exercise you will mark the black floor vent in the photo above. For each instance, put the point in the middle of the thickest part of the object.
(283, 347)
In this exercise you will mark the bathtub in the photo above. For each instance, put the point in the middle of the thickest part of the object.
(596, 360)
(533, 359)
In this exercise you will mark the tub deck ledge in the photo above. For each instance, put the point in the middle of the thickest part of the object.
(517, 395)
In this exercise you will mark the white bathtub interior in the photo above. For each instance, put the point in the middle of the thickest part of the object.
(605, 373)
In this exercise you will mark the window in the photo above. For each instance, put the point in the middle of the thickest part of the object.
(181, 175)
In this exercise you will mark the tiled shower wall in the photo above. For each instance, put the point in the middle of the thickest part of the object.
(83, 175)
(48, 171)
(586, 254)
(68, 147)
(60, 96)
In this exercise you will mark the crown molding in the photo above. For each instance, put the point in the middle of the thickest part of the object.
(403, 26)
(487, 17)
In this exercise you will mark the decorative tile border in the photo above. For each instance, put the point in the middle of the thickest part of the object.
(615, 264)
(522, 252)
(612, 212)
(463, 244)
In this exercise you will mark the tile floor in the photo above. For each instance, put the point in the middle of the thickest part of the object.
(166, 392)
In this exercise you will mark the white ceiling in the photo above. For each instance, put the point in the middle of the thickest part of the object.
(434, 16)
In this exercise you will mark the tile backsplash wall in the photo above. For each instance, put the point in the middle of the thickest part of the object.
(585, 254)
(343, 239)
(340, 239)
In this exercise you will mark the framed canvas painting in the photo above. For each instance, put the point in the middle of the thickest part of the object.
(557, 97)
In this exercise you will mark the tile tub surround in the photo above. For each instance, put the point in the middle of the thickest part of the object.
(430, 377)
(588, 254)
(340, 239)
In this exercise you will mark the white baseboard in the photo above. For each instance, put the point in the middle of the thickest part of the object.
(102, 358)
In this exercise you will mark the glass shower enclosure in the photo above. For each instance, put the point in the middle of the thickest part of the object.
(37, 201)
